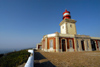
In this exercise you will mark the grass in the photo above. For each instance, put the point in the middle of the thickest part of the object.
(14, 59)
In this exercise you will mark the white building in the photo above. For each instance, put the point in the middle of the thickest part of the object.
(68, 39)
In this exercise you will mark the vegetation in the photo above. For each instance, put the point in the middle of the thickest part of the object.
(14, 59)
(1, 55)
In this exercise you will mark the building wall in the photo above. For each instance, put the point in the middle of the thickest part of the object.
(87, 44)
(67, 26)
(71, 28)
(67, 44)
(43, 44)
(39, 46)
(57, 43)
(97, 44)
(63, 28)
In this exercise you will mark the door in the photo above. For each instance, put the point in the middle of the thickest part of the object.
(93, 45)
(82, 44)
(63, 45)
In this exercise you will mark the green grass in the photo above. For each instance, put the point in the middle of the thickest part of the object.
(14, 59)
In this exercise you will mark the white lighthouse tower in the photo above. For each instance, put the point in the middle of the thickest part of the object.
(67, 25)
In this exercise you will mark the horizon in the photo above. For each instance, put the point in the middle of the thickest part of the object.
(23, 23)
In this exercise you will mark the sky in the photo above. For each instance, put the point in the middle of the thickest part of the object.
(23, 23)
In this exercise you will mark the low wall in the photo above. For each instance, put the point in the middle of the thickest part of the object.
(30, 61)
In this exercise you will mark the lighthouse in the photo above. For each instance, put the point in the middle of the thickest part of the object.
(68, 40)
(66, 15)
(67, 25)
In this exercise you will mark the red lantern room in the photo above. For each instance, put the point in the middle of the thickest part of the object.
(66, 15)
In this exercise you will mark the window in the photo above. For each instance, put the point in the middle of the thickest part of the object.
(51, 43)
(62, 27)
(71, 26)
(77, 44)
(87, 44)
(70, 43)
(40, 47)
(98, 44)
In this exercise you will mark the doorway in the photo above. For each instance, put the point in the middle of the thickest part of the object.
(93, 45)
(63, 45)
(82, 44)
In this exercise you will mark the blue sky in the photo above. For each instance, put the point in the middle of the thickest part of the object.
(24, 22)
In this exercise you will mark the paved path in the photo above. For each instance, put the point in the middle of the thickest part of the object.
(41, 61)
(67, 59)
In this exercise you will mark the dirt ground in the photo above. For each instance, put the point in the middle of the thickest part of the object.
(67, 59)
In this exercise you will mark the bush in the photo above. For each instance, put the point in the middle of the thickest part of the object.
(1, 55)
(14, 59)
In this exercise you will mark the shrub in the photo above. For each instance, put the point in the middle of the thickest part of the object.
(14, 59)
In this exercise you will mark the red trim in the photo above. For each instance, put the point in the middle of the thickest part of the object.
(97, 44)
(43, 46)
(66, 12)
(73, 44)
(66, 16)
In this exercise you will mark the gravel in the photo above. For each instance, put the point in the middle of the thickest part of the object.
(67, 59)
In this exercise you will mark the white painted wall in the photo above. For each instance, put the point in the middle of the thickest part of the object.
(51, 50)
(63, 28)
(66, 29)
(31, 51)
(29, 62)
(51, 35)
(95, 37)
(70, 50)
(71, 30)
(66, 35)
(66, 14)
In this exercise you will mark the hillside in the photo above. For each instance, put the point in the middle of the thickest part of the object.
(14, 59)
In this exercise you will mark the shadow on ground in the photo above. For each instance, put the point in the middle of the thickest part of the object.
(41, 61)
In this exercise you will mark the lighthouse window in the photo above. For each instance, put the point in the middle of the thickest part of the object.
(98, 43)
(77, 44)
(51, 43)
(71, 26)
(87, 44)
(70, 43)
(62, 27)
